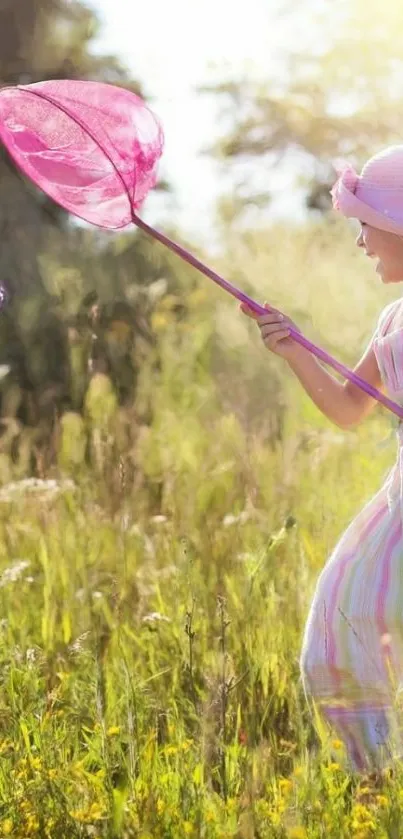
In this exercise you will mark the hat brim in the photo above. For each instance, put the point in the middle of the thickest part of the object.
(351, 207)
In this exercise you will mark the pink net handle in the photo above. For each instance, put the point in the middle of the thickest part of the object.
(260, 310)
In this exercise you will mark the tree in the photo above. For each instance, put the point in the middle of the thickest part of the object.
(336, 94)
(39, 41)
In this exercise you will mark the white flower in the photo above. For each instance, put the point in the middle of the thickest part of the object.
(34, 486)
(230, 519)
(155, 617)
(14, 572)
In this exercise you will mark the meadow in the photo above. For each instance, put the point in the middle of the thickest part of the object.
(154, 593)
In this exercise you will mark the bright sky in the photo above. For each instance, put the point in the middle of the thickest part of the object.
(171, 46)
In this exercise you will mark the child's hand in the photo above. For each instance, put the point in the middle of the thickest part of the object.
(275, 331)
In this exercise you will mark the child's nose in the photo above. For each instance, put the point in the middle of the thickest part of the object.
(359, 241)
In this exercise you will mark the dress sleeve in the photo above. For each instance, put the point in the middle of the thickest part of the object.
(388, 348)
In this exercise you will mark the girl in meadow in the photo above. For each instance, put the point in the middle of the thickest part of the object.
(352, 652)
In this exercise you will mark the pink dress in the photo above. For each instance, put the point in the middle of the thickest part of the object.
(352, 652)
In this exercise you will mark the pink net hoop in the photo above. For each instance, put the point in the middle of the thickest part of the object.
(94, 149)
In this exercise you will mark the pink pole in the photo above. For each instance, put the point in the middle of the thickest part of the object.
(260, 310)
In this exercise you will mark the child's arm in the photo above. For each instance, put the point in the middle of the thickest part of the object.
(343, 403)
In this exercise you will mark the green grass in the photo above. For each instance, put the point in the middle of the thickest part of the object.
(152, 608)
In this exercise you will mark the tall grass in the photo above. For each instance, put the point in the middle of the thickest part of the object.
(152, 604)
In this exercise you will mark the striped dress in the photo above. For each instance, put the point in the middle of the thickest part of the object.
(352, 651)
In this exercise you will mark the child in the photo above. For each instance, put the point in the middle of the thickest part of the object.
(352, 652)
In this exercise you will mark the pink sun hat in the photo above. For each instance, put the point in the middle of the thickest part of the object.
(376, 196)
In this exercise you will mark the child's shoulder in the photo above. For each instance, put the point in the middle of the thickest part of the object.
(391, 317)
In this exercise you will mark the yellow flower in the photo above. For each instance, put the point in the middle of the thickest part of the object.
(333, 767)
(263, 808)
(7, 827)
(160, 806)
(32, 825)
(5, 746)
(285, 785)
(96, 811)
(186, 745)
(297, 833)
(187, 828)
(382, 800)
(362, 819)
(275, 818)
(36, 762)
(113, 731)
(298, 772)
(337, 744)
(360, 813)
(90, 814)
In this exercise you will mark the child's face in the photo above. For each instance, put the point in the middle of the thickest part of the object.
(387, 248)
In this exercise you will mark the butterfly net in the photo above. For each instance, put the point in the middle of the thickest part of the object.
(93, 148)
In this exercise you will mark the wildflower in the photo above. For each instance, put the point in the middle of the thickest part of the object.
(160, 806)
(382, 800)
(186, 745)
(33, 486)
(285, 785)
(263, 808)
(333, 767)
(32, 825)
(230, 519)
(6, 746)
(337, 744)
(7, 827)
(155, 617)
(297, 833)
(113, 730)
(170, 750)
(14, 572)
(36, 763)
(187, 828)
(90, 814)
(362, 819)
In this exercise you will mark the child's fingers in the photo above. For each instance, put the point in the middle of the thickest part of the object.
(248, 312)
(274, 330)
(271, 318)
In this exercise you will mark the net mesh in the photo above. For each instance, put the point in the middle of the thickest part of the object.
(92, 147)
